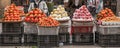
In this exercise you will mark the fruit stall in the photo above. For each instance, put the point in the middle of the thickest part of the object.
(64, 28)
(12, 26)
(30, 27)
(108, 29)
(82, 26)
(35, 28)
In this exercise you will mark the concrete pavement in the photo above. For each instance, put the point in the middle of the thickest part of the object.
(67, 46)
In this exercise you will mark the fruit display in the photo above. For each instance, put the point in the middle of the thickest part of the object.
(105, 13)
(59, 13)
(12, 13)
(21, 10)
(107, 17)
(48, 21)
(111, 21)
(34, 15)
(82, 14)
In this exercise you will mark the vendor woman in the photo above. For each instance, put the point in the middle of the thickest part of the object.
(41, 4)
(74, 4)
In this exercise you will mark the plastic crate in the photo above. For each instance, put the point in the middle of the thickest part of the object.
(64, 38)
(66, 22)
(1, 39)
(82, 39)
(30, 39)
(63, 29)
(12, 28)
(109, 29)
(82, 23)
(102, 36)
(48, 40)
(48, 30)
(82, 29)
(30, 28)
(11, 39)
(111, 40)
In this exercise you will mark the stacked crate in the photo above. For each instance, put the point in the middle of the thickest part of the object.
(82, 32)
(0, 39)
(108, 36)
(64, 32)
(48, 36)
(0, 33)
(11, 33)
(30, 34)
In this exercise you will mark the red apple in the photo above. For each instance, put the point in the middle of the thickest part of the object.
(31, 12)
(36, 12)
(31, 15)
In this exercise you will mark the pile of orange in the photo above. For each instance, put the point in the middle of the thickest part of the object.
(105, 13)
(12, 13)
(48, 21)
(34, 15)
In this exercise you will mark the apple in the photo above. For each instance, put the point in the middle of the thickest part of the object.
(36, 12)
(6, 13)
(39, 15)
(31, 12)
(36, 20)
(31, 15)
(27, 19)
(32, 19)
(15, 11)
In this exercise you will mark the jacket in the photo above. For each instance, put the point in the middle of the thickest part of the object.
(41, 5)
(71, 4)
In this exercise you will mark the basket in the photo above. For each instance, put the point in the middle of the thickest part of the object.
(30, 28)
(68, 22)
(81, 29)
(3, 21)
(48, 30)
(64, 19)
(63, 22)
(110, 23)
(82, 23)
(109, 29)
(82, 20)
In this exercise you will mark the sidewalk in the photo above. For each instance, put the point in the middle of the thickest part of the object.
(67, 46)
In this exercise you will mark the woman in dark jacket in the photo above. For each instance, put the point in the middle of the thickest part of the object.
(74, 4)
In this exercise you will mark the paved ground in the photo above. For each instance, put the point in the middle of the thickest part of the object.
(68, 46)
